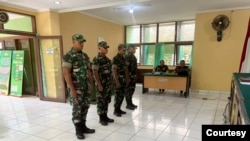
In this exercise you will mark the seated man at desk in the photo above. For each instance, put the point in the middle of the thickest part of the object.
(161, 68)
(182, 69)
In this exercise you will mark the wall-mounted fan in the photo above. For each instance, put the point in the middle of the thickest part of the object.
(4, 18)
(220, 23)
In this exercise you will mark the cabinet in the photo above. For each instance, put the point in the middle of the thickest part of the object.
(239, 100)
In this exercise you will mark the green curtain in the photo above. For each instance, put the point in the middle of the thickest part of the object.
(159, 53)
(145, 55)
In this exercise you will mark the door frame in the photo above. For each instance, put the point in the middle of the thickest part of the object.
(39, 69)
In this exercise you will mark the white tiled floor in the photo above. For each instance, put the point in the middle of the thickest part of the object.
(159, 117)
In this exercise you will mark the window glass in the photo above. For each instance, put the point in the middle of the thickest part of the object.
(166, 32)
(1, 45)
(148, 54)
(133, 34)
(137, 54)
(186, 31)
(149, 33)
(19, 22)
(169, 54)
(184, 53)
(174, 42)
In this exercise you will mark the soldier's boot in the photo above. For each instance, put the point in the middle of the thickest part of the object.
(135, 106)
(79, 131)
(85, 129)
(102, 120)
(108, 119)
(129, 104)
(117, 112)
(121, 111)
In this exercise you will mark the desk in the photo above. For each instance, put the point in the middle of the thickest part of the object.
(169, 81)
(239, 100)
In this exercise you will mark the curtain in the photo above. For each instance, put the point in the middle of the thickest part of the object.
(245, 57)
(159, 54)
(145, 55)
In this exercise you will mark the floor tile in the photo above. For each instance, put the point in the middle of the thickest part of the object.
(158, 117)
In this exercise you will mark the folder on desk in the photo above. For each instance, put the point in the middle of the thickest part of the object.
(244, 79)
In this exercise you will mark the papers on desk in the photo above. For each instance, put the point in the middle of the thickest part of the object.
(244, 80)
(245, 83)
(157, 72)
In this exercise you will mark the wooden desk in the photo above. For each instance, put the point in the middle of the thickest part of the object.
(239, 101)
(169, 81)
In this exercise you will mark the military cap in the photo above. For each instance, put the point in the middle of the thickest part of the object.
(121, 46)
(78, 37)
(132, 46)
(103, 44)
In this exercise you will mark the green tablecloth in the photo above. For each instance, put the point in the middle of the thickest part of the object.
(244, 94)
(244, 89)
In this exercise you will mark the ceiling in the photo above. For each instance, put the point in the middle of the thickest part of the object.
(144, 11)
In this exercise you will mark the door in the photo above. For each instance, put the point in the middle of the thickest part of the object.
(29, 70)
(50, 69)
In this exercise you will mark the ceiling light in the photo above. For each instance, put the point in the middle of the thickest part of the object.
(131, 10)
(58, 2)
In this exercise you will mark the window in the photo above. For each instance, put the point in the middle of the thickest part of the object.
(133, 34)
(148, 54)
(137, 54)
(172, 42)
(168, 52)
(184, 53)
(166, 32)
(186, 31)
(20, 22)
(149, 33)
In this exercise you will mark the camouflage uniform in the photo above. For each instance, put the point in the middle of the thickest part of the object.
(119, 63)
(79, 63)
(103, 65)
(132, 67)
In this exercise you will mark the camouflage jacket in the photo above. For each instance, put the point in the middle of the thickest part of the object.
(79, 63)
(119, 62)
(103, 65)
(132, 64)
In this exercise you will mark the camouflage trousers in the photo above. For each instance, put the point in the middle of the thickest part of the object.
(119, 96)
(130, 90)
(80, 106)
(103, 99)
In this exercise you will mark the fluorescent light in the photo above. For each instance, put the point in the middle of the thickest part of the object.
(131, 10)
(58, 2)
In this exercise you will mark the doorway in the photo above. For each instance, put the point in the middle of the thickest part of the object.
(29, 67)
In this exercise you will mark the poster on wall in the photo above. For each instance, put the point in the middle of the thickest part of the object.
(17, 73)
(5, 66)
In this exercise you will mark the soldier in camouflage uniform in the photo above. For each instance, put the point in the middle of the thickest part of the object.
(101, 67)
(119, 67)
(76, 72)
(132, 67)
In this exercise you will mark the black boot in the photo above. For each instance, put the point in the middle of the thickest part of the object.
(102, 120)
(121, 111)
(79, 130)
(135, 106)
(108, 119)
(129, 104)
(117, 112)
(130, 107)
(85, 129)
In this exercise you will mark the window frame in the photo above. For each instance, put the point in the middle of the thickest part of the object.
(17, 32)
(175, 42)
